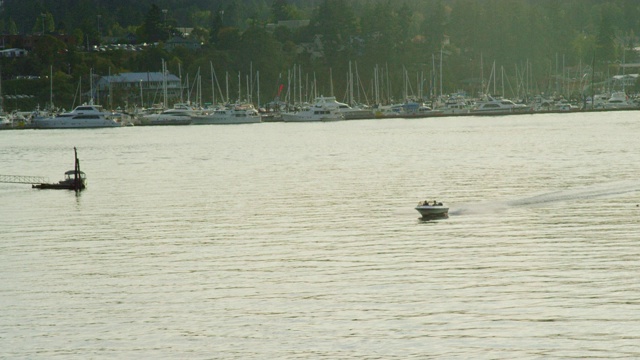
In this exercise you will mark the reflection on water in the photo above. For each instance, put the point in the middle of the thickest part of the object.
(281, 241)
(433, 217)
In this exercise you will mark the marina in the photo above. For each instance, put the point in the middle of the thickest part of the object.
(255, 167)
(183, 114)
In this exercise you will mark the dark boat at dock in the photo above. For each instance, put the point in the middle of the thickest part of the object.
(73, 179)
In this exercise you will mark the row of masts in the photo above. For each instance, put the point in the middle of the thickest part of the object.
(303, 87)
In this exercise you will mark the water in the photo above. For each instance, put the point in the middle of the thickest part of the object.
(289, 241)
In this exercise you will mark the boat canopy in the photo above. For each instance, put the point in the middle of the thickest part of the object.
(72, 173)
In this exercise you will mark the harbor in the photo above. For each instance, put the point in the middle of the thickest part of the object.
(324, 179)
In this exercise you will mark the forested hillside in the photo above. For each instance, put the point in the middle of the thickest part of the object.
(459, 43)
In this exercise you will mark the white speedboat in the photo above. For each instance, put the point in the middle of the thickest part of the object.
(434, 209)
(84, 116)
(238, 114)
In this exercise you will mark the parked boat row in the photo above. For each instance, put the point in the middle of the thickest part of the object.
(237, 114)
(323, 109)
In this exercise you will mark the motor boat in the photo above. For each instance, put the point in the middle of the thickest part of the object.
(318, 112)
(493, 106)
(434, 209)
(180, 114)
(237, 114)
(84, 116)
(73, 180)
(347, 111)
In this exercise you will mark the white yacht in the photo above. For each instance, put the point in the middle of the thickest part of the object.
(180, 114)
(618, 100)
(318, 112)
(491, 105)
(455, 105)
(84, 116)
(409, 109)
(347, 111)
(414, 109)
(238, 114)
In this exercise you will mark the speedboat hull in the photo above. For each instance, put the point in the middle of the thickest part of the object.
(432, 210)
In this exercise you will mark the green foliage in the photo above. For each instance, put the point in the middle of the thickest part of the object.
(44, 24)
(154, 28)
(228, 38)
(282, 10)
(605, 46)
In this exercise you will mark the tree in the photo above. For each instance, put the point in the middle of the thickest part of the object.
(280, 11)
(44, 24)
(433, 27)
(216, 26)
(200, 34)
(228, 38)
(259, 48)
(382, 30)
(336, 22)
(153, 28)
(604, 43)
(12, 28)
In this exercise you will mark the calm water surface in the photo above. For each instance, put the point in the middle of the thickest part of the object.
(289, 241)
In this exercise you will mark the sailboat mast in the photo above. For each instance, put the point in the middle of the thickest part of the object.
(331, 81)
(51, 87)
(76, 185)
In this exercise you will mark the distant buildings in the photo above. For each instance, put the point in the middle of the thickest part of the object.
(13, 53)
(289, 24)
(178, 41)
(138, 87)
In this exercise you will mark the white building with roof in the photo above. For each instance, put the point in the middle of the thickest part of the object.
(13, 53)
(139, 87)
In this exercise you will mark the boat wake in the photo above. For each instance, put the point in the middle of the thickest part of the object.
(583, 193)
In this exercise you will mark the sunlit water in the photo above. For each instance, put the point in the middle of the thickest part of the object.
(290, 241)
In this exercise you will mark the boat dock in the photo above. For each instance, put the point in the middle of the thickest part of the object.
(22, 179)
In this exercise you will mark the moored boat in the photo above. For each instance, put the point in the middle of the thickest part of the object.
(238, 114)
(491, 106)
(318, 112)
(73, 179)
(84, 116)
(349, 113)
(180, 114)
